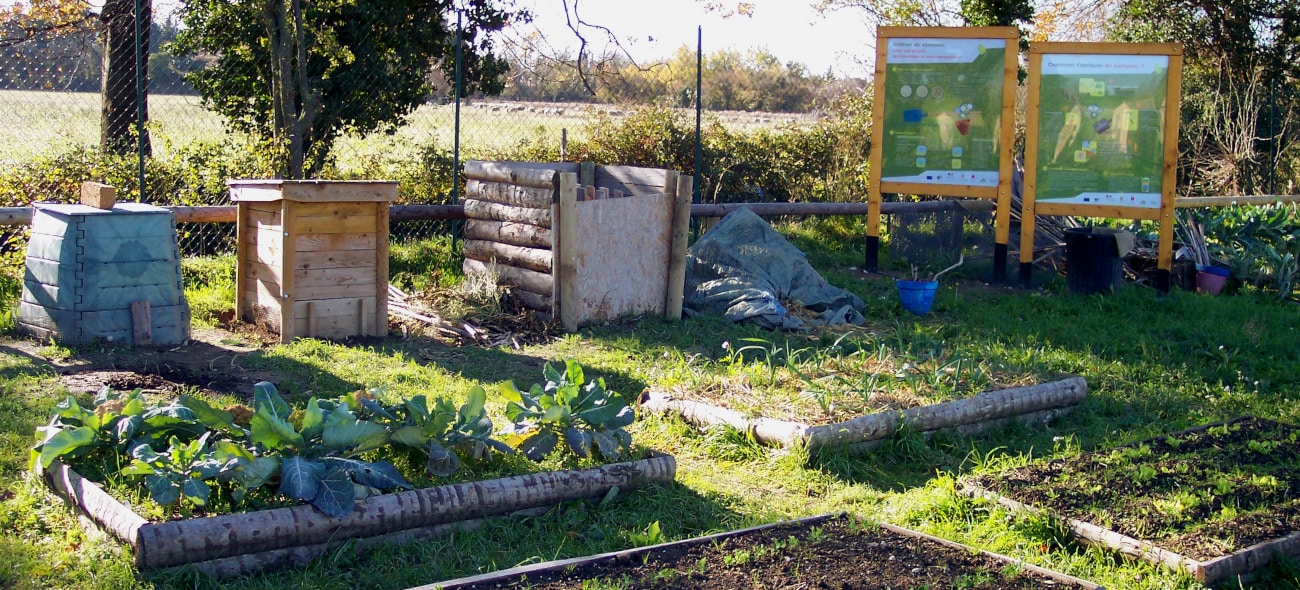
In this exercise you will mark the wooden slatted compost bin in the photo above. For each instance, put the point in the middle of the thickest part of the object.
(313, 256)
(111, 275)
(583, 243)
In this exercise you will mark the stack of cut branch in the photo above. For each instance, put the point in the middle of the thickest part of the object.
(505, 328)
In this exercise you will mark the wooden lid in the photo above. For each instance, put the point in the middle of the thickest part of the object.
(312, 191)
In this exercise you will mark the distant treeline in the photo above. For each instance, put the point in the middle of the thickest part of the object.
(733, 81)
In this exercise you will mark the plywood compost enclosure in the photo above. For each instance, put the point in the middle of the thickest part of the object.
(581, 242)
(104, 274)
(313, 256)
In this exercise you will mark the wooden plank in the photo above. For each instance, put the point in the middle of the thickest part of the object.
(530, 258)
(380, 328)
(312, 191)
(336, 318)
(334, 210)
(98, 195)
(632, 180)
(620, 259)
(316, 277)
(515, 234)
(141, 323)
(949, 32)
(337, 259)
(367, 240)
(940, 190)
(876, 157)
(1173, 96)
(475, 209)
(1109, 211)
(1028, 205)
(339, 291)
(681, 230)
(510, 194)
(566, 256)
(334, 225)
(264, 220)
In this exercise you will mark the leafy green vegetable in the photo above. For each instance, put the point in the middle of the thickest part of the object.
(584, 414)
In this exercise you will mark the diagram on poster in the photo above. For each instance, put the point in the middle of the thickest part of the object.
(943, 108)
(1101, 129)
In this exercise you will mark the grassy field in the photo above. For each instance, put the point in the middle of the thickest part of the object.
(34, 123)
(1154, 365)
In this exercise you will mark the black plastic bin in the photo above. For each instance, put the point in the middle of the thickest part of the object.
(1092, 263)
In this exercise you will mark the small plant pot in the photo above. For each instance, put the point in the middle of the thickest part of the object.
(917, 296)
(1210, 279)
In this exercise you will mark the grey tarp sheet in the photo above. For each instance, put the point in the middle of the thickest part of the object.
(745, 270)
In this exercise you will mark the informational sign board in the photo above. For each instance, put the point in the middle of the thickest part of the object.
(943, 121)
(1102, 136)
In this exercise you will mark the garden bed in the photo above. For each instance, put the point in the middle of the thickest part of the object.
(235, 544)
(1216, 501)
(820, 552)
(1029, 404)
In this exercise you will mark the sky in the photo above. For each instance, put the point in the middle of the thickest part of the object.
(789, 29)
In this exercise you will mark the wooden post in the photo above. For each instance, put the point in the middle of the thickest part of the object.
(287, 250)
(1030, 187)
(98, 195)
(681, 233)
(242, 312)
(141, 323)
(381, 269)
(871, 262)
(566, 263)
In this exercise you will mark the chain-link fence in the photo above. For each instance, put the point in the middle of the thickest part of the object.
(180, 101)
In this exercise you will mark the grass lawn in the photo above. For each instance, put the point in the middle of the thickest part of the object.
(1154, 365)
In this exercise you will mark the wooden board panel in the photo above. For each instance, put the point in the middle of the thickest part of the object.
(336, 241)
(342, 224)
(333, 307)
(264, 219)
(337, 291)
(333, 210)
(335, 259)
(312, 191)
(336, 318)
(314, 277)
(631, 180)
(623, 267)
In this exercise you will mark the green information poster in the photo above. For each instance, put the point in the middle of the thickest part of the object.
(942, 111)
(1101, 125)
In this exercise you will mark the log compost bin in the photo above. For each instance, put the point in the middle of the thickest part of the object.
(580, 242)
(104, 274)
(313, 256)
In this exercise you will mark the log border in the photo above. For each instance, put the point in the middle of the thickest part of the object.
(986, 410)
(506, 576)
(296, 534)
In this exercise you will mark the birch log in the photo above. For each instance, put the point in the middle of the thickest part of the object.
(519, 278)
(476, 209)
(505, 172)
(515, 234)
(172, 543)
(534, 301)
(530, 258)
(510, 194)
(91, 499)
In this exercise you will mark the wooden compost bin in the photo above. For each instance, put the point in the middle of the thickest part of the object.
(236, 544)
(580, 242)
(313, 256)
(110, 275)
(1032, 403)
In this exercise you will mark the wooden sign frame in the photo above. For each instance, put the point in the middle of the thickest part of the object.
(1164, 213)
(1005, 134)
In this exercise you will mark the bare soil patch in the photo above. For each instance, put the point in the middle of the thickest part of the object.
(836, 553)
(1202, 493)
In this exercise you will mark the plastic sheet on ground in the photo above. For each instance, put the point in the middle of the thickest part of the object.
(745, 270)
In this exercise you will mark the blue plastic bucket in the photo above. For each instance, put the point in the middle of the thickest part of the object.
(917, 296)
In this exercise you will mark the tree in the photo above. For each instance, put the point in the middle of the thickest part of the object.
(43, 22)
(301, 73)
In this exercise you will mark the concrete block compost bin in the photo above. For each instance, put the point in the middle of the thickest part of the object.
(108, 275)
(313, 256)
(580, 242)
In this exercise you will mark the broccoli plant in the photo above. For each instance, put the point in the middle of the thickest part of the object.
(584, 414)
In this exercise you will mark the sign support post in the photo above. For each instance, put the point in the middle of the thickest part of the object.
(943, 121)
